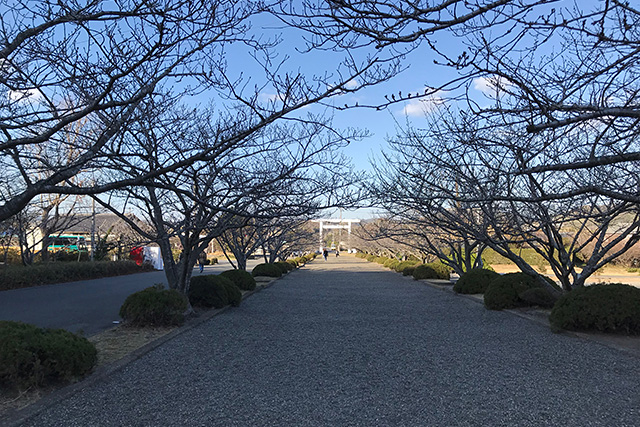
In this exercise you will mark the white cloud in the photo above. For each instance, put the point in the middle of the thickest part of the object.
(351, 84)
(271, 97)
(30, 95)
(422, 106)
(491, 85)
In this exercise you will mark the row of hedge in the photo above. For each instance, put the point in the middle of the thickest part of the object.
(277, 269)
(415, 268)
(18, 276)
(601, 307)
(156, 306)
(32, 356)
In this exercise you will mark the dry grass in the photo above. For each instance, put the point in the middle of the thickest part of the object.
(118, 342)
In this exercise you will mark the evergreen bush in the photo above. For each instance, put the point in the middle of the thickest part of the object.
(408, 271)
(391, 263)
(475, 281)
(538, 296)
(611, 307)
(154, 306)
(18, 276)
(242, 279)
(284, 266)
(269, 270)
(32, 356)
(209, 291)
(443, 271)
(424, 271)
(507, 291)
(404, 264)
(234, 294)
(371, 258)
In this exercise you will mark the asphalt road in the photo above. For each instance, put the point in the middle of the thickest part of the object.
(343, 343)
(87, 306)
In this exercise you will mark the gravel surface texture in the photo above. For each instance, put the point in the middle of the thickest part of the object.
(344, 343)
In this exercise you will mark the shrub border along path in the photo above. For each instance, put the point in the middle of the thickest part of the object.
(624, 343)
(17, 417)
(107, 370)
(627, 344)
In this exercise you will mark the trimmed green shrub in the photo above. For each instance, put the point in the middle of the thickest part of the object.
(538, 296)
(611, 307)
(441, 270)
(404, 264)
(242, 279)
(381, 260)
(361, 255)
(32, 356)
(408, 271)
(209, 291)
(507, 290)
(475, 281)
(270, 270)
(234, 295)
(293, 263)
(424, 271)
(18, 276)
(391, 264)
(371, 258)
(154, 306)
(502, 293)
(284, 266)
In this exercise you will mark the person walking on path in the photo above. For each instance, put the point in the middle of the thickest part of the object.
(325, 253)
(202, 259)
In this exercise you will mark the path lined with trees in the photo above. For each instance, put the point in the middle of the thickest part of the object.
(343, 342)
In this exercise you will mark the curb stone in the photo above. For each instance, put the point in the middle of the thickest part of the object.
(14, 418)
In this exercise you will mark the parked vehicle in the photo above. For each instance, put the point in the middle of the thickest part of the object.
(67, 243)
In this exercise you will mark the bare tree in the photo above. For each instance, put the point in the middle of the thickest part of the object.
(547, 66)
(277, 236)
(63, 63)
(283, 235)
(248, 172)
(459, 161)
(240, 240)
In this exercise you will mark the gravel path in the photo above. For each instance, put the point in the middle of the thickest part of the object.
(343, 343)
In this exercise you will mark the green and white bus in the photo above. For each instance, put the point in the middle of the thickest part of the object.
(67, 243)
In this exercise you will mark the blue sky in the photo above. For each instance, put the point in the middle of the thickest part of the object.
(421, 72)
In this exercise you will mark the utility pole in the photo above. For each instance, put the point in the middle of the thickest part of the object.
(93, 228)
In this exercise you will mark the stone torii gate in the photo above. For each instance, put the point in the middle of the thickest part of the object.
(343, 224)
